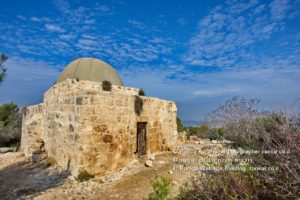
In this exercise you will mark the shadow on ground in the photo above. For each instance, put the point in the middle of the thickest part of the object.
(23, 179)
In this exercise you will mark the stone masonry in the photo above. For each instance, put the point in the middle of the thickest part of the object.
(82, 127)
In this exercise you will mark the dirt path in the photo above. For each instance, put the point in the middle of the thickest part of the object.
(21, 179)
(136, 185)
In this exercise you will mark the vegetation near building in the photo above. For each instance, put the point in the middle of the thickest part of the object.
(84, 176)
(10, 124)
(161, 189)
(106, 85)
(141, 92)
(240, 121)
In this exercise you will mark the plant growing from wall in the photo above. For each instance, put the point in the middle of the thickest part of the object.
(141, 92)
(50, 162)
(138, 105)
(106, 85)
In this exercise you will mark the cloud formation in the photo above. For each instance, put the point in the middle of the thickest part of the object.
(227, 36)
(246, 48)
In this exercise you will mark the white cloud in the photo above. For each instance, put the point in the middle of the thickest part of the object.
(89, 21)
(103, 8)
(54, 28)
(279, 9)
(21, 17)
(67, 36)
(224, 36)
(40, 19)
(216, 91)
(62, 5)
(136, 24)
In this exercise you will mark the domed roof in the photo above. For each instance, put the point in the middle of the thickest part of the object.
(91, 69)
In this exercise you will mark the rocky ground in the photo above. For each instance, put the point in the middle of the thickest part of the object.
(22, 179)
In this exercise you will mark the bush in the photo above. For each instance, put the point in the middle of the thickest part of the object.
(84, 176)
(10, 124)
(106, 85)
(50, 161)
(138, 105)
(206, 132)
(235, 185)
(233, 110)
(161, 189)
(141, 92)
(255, 130)
(180, 126)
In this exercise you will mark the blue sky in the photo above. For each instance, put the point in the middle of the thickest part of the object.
(198, 52)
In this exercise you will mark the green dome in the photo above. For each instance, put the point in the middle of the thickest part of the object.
(90, 69)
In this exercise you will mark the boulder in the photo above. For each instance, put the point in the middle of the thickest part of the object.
(151, 157)
(6, 149)
(194, 138)
(149, 163)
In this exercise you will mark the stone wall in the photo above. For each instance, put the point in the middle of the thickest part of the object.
(160, 116)
(31, 140)
(86, 128)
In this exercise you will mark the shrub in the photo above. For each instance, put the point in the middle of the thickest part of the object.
(106, 85)
(138, 105)
(226, 185)
(180, 126)
(256, 130)
(141, 92)
(206, 132)
(233, 110)
(50, 161)
(161, 189)
(84, 176)
(239, 185)
(10, 124)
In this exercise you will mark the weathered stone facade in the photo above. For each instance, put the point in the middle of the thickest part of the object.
(83, 127)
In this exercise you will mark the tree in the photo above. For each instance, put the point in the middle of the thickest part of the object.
(234, 110)
(8, 111)
(10, 124)
(3, 58)
(180, 126)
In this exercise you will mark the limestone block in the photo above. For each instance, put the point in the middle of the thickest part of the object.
(88, 110)
(107, 138)
(149, 163)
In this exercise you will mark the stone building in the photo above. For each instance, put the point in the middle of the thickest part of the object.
(85, 125)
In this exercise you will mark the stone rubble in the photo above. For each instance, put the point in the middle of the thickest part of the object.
(149, 163)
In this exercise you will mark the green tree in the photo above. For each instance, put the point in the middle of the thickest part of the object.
(8, 112)
(10, 124)
(3, 58)
(180, 126)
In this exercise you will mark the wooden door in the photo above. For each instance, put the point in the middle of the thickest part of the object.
(141, 139)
